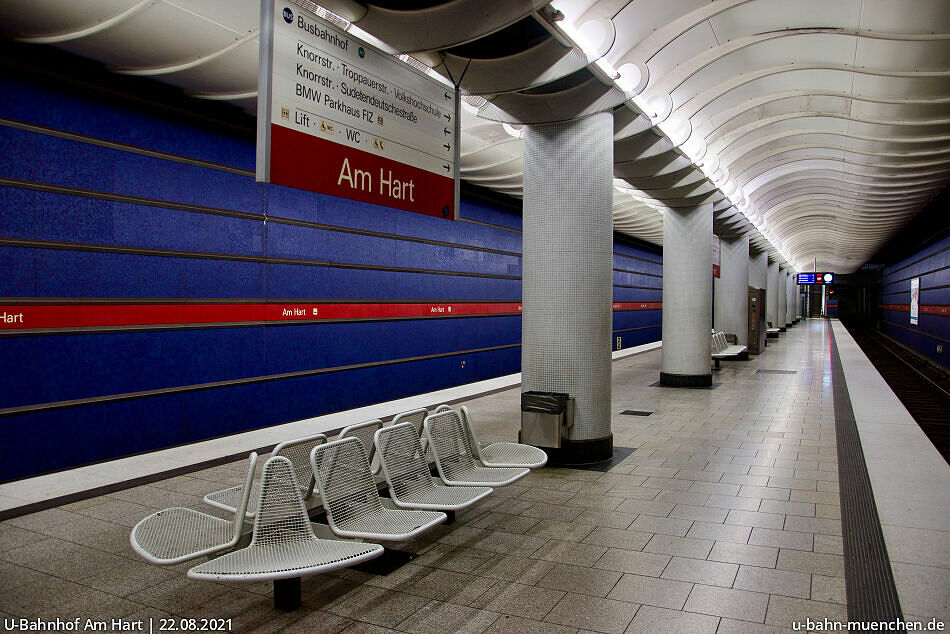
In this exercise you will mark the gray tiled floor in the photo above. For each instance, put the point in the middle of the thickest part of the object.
(725, 518)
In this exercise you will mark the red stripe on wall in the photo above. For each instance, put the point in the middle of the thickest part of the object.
(17, 317)
(929, 310)
(621, 306)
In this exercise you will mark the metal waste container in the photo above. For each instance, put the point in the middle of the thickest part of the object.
(545, 418)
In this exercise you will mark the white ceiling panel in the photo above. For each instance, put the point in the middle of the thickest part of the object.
(761, 16)
(751, 85)
(692, 43)
(914, 17)
(232, 72)
(900, 54)
(640, 18)
(159, 35)
(240, 16)
(44, 18)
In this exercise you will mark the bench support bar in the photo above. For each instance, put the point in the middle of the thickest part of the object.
(287, 594)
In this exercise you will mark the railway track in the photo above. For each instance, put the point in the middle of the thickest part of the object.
(923, 390)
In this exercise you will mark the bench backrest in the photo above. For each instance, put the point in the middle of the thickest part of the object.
(449, 442)
(365, 433)
(346, 484)
(416, 417)
(298, 452)
(281, 517)
(403, 460)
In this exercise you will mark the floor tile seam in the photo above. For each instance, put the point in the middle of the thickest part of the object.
(59, 576)
(432, 602)
(155, 582)
(127, 555)
(719, 588)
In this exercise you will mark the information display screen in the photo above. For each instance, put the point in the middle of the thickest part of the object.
(815, 278)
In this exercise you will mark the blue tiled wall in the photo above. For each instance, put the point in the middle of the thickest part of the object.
(932, 266)
(153, 227)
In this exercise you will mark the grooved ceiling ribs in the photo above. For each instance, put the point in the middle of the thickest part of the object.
(818, 128)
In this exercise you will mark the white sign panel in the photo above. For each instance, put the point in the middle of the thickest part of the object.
(716, 255)
(340, 117)
(914, 301)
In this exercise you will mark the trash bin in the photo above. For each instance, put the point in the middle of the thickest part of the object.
(545, 417)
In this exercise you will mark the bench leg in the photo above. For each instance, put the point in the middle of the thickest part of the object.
(450, 517)
(716, 366)
(287, 594)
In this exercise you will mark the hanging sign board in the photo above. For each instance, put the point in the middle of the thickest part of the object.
(815, 278)
(716, 255)
(338, 116)
(914, 301)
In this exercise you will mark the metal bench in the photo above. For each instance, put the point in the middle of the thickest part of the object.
(454, 457)
(298, 451)
(351, 499)
(179, 534)
(365, 432)
(411, 484)
(722, 350)
(502, 454)
(417, 417)
(283, 545)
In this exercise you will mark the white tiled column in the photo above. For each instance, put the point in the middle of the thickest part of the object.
(792, 303)
(781, 290)
(732, 289)
(567, 275)
(758, 269)
(771, 296)
(687, 296)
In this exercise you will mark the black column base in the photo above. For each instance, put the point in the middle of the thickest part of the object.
(580, 452)
(685, 380)
(287, 594)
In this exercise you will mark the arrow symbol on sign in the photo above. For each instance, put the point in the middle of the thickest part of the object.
(446, 167)
(446, 130)
(448, 117)
(447, 146)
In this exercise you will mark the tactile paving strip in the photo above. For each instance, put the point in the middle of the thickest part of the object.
(872, 595)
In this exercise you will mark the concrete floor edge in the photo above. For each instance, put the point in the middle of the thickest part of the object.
(911, 485)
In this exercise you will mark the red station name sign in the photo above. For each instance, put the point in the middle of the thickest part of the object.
(337, 116)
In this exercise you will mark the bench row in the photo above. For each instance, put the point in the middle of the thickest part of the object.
(285, 545)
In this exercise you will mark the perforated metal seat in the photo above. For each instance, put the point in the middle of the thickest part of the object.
(298, 451)
(453, 454)
(416, 416)
(502, 454)
(351, 500)
(365, 432)
(283, 545)
(179, 534)
(411, 485)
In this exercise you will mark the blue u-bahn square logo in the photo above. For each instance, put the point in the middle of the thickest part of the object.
(288, 15)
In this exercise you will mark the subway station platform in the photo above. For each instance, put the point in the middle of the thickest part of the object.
(722, 512)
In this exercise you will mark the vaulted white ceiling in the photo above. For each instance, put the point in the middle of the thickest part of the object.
(818, 127)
